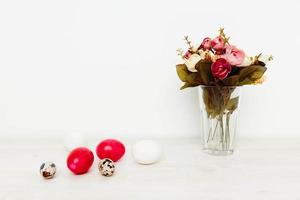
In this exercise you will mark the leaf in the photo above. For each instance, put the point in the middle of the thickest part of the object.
(245, 75)
(182, 72)
(190, 79)
(204, 69)
(207, 99)
(213, 100)
(186, 85)
(232, 80)
(261, 63)
(194, 79)
(248, 75)
(232, 104)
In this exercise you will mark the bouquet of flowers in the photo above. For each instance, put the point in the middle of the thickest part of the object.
(219, 68)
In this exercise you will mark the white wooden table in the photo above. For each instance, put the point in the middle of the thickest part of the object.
(259, 169)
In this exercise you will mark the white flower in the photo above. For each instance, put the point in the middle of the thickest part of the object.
(246, 62)
(195, 48)
(202, 53)
(192, 61)
(265, 58)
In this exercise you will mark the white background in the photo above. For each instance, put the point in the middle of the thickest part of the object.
(108, 67)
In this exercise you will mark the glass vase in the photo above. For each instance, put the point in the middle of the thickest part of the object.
(219, 109)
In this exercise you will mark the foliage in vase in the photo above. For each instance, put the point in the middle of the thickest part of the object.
(221, 67)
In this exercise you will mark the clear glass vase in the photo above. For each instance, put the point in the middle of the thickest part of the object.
(219, 108)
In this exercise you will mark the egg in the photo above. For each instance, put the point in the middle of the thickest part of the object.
(48, 170)
(146, 152)
(110, 148)
(80, 160)
(106, 167)
(73, 140)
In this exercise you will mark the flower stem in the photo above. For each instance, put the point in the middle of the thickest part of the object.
(227, 131)
(215, 129)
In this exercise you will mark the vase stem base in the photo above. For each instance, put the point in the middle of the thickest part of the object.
(217, 152)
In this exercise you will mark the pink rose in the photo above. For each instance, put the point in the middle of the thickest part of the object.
(218, 43)
(221, 68)
(234, 55)
(206, 44)
(187, 55)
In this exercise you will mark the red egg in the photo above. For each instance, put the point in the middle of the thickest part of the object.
(110, 148)
(80, 160)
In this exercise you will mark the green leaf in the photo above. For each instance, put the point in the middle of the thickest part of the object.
(204, 69)
(182, 72)
(190, 79)
(213, 100)
(194, 79)
(232, 80)
(232, 104)
(186, 85)
(248, 75)
(207, 99)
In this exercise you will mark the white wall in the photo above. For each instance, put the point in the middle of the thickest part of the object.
(108, 67)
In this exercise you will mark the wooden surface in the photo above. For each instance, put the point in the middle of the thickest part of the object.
(259, 169)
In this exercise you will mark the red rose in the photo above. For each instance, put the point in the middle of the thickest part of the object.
(218, 44)
(206, 44)
(221, 68)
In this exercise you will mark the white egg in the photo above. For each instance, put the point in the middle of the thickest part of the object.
(73, 140)
(147, 152)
